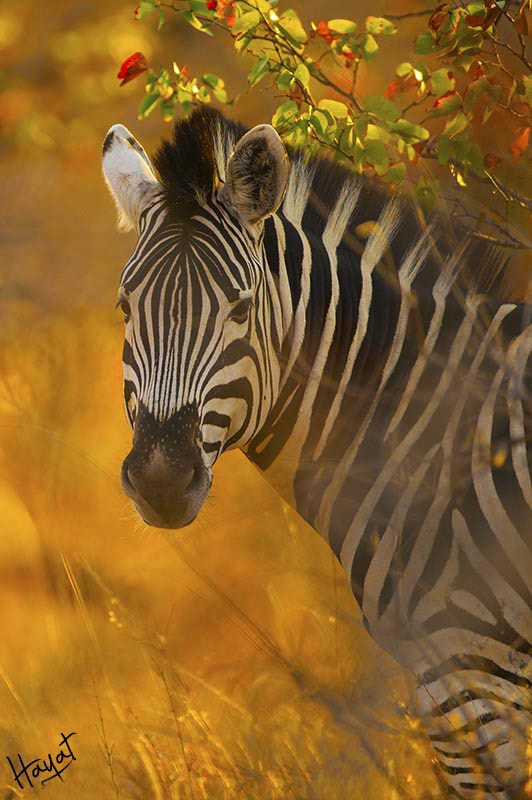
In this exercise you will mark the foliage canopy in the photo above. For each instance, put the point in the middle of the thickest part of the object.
(468, 66)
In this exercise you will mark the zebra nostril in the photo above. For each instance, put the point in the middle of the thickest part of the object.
(130, 479)
(160, 488)
(125, 477)
(195, 480)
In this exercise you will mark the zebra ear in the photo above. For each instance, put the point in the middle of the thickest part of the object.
(129, 175)
(256, 175)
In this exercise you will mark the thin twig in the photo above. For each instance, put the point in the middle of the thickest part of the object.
(409, 14)
(510, 195)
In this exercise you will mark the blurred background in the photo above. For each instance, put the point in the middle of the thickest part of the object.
(223, 661)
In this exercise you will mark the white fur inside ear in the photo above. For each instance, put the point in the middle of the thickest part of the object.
(128, 174)
(257, 174)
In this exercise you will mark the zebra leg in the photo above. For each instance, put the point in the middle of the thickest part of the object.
(482, 739)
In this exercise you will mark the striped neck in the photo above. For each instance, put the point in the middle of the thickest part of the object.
(332, 350)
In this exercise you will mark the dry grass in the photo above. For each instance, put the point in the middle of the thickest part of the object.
(223, 661)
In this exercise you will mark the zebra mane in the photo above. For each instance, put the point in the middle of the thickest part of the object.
(193, 162)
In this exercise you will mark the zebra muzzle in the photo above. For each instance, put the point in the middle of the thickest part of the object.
(166, 494)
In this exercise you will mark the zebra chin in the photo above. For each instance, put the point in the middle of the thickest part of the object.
(166, 495)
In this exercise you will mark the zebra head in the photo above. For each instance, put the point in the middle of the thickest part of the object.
(201, 319)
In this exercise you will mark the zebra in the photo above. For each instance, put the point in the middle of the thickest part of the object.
(285, 306)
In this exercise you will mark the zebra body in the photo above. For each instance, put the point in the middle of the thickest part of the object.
(360, 368)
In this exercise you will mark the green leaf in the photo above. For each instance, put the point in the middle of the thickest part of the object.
(168, 109)
(445, 105)
(361, 126)
(376, 132)
(369, 46)
(421, 68)
(259, 70)
(246, 22)
(441, 81)
(380, 25)
(337, 109)
(287, 111)
(302, 75)
(220, 94)
(344, 26)
(404, 69)
(348, 140)
(144, 8)
(244, 42)
(381, 107)
(262, 5)
(377, 155)
(212, 80)
(291, 26)
(475, 158)
(456, 125)
(424, 44)
(194, 22)
(427, 192)
(396, 173)
(298, 135)
(183, 95)
(445, 149)
(148, 103)
(320, 121)
(199, 7)
(481, 89)
(487, 114)
(408, 131)
(471, 42)
(284, 79)
(463, 62)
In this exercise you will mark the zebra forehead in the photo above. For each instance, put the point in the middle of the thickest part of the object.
(190, 263)
(192, 164)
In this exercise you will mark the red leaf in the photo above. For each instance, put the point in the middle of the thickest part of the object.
(519, 145)
(438, 17)
(222, 6)
(478, 21)
(476, 70)
(475, 20)
(211, 5)
(440, 100)
(348, 55)
(400, 85)
(392, 89)
(491, 161)
(132, 67)
(323, 30)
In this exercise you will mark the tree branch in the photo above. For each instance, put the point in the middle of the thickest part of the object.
(427, 12)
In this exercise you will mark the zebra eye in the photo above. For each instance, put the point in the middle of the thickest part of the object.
(125, 307)
(239, 312)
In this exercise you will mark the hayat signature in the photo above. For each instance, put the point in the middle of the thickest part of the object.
(51, 765)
